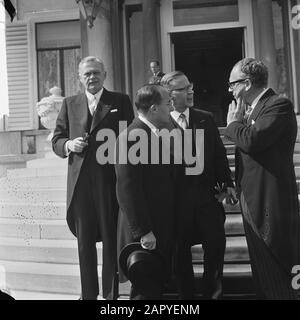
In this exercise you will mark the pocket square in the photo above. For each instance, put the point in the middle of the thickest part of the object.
(114, 110)
(252, 121)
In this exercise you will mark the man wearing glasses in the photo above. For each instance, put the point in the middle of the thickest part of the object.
(92, 207)
(200, 216)
(264, 128)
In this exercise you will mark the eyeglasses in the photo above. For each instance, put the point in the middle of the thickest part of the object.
(189, 87)
(231, 85)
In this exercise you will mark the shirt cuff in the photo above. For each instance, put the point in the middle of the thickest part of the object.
(66, 149)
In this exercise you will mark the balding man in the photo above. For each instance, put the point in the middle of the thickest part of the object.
(264, 128)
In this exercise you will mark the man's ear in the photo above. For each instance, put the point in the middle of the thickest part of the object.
(248, 84)
(153, 108)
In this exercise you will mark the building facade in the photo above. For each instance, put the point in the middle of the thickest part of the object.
(203, 38)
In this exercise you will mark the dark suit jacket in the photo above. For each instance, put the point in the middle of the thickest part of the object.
(199, 190)
(146, 198)
(156, 79)
(216, 167)
(73, 122)
(265, 173)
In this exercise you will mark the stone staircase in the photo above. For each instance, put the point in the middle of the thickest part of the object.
(38, 253)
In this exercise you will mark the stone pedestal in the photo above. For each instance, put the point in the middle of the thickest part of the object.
(48, 109)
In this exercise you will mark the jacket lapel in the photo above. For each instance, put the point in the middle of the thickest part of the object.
(259, 106)
(102, 109)
(81, 111)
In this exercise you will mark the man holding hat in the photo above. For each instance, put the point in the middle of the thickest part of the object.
(146, 195)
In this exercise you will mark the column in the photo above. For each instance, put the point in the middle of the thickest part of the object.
(150, 33)
(97, 41)
(267, 39)
(4, 110)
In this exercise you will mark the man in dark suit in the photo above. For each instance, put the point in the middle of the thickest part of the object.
(157, 74)
(265, 136)
(92, 208)
(200, 216)
(146, 191)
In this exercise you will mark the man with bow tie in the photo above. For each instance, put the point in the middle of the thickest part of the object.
(92, 208)
(264, 128)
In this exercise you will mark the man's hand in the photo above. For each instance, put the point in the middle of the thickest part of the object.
(148, 241)
(77, 145)
(236, 111)
(229, 194)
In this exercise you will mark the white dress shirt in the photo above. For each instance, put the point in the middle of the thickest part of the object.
(175, 115)
(91, 104)
(91, 100)
(255, 101)
(148, 123)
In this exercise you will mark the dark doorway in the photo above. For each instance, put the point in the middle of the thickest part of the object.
(207, 58)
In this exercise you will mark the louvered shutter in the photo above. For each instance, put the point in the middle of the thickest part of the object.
(18, 73)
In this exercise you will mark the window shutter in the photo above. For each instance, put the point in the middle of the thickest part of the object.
(18, 74)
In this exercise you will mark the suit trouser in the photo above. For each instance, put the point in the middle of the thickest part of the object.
(270, 279)
(87, 224)
(208, 222)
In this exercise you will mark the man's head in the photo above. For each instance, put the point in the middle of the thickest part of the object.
(92, 74)
(247, 78)
(154, 103)
(180, 89)
(154, 67)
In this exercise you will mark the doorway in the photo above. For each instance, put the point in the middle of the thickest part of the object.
(207, 57)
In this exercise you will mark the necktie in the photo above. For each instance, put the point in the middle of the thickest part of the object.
(247, 113)
(182, 121)
(93, 105)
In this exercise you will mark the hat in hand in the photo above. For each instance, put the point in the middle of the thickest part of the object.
(144, 268)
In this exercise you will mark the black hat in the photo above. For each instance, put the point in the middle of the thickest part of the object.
(144, 268)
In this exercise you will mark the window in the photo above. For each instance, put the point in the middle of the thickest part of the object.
(58, 55)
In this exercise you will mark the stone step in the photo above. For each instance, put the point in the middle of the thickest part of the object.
(36, 172)
(297, 148)
(234, 224)
(38, 210)
(33, 195)
(65, 251)
(58, 229)
(35, 295)
(46, 278)
(35, 229)
(236, 251)
(55, 210)
(64, 278)
(34, 182)
(237, 282)
(230, 149)
(42, 250)
(231, 159)
(42, 277)
(47, 163)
